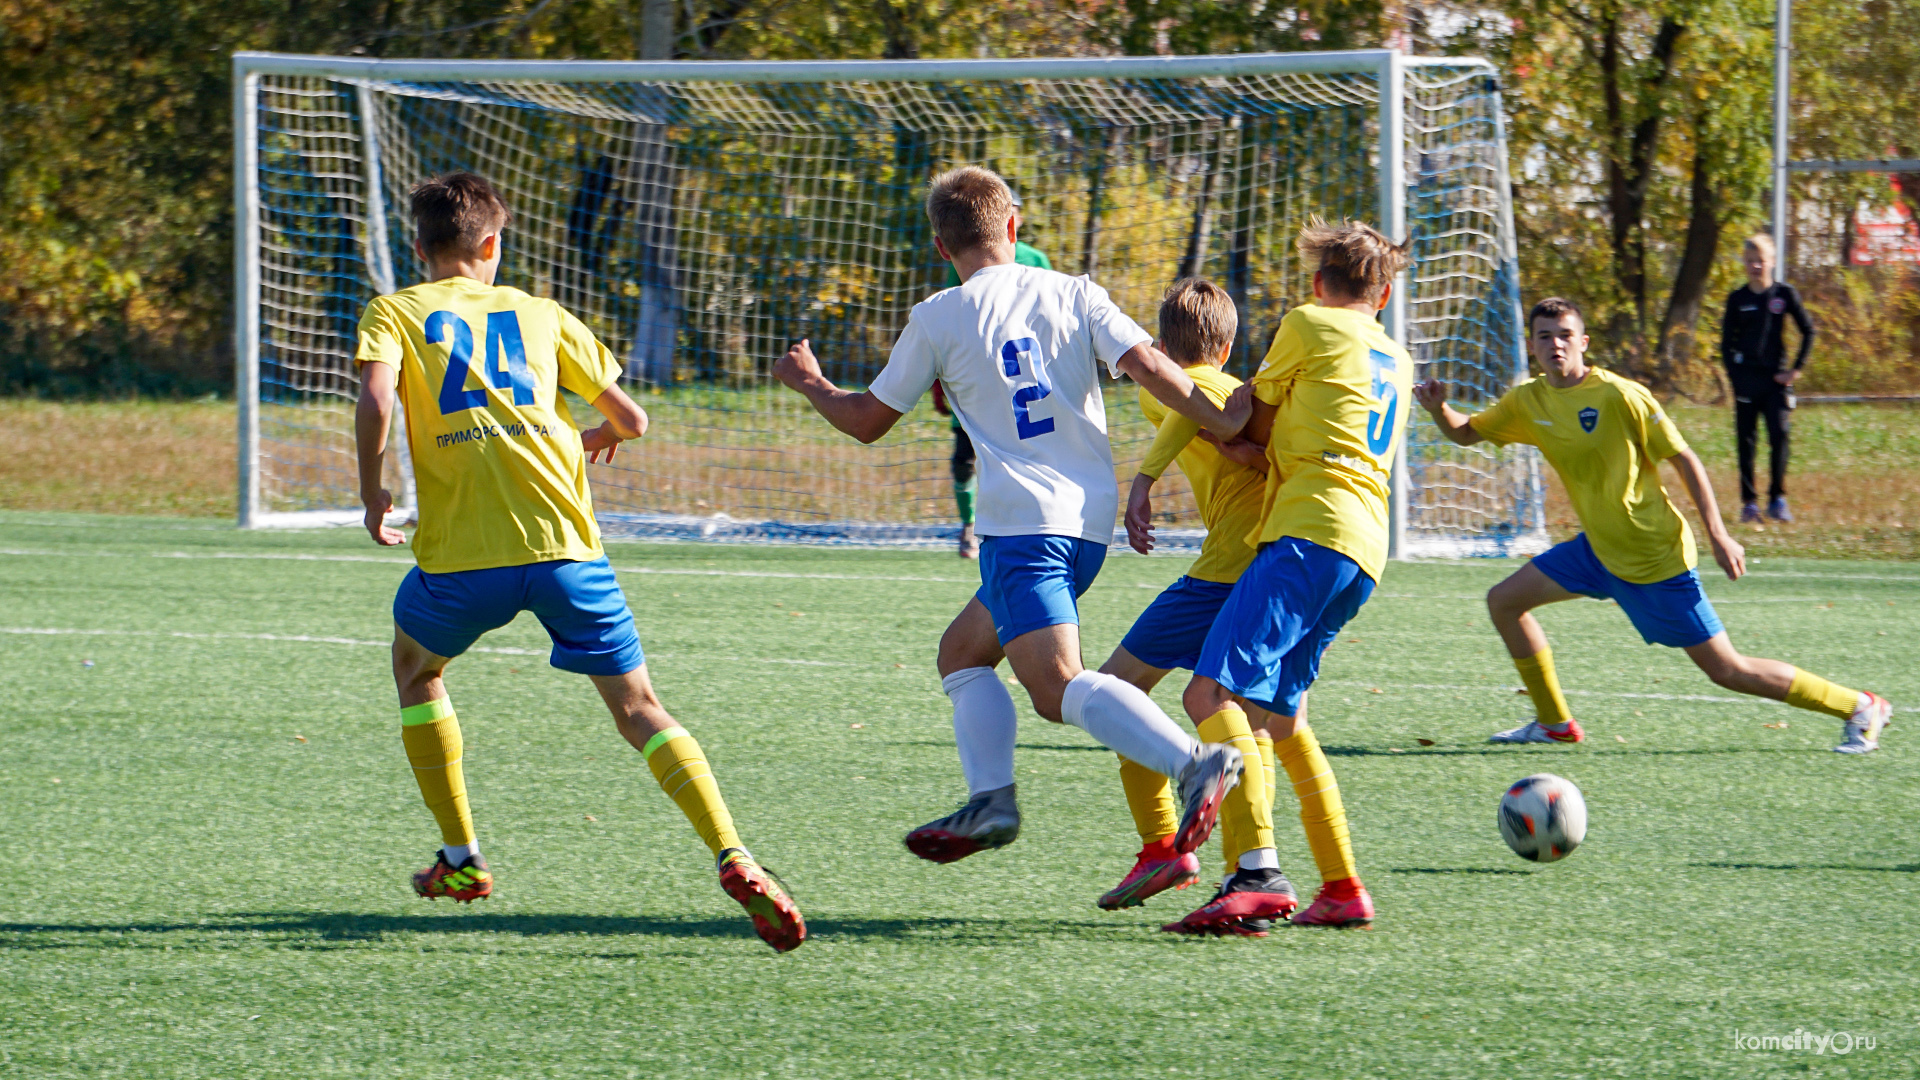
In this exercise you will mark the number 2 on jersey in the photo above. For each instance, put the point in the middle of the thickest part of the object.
(1023, 396)
(503, 342)
(1380, 421)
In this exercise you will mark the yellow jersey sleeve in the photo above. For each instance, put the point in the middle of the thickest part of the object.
(1506, 421)
(1285, 357)
(587, 367)
(1659, 436)
(382, 340)
(1176, 431)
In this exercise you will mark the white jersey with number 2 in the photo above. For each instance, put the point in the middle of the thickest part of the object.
(1018, 350)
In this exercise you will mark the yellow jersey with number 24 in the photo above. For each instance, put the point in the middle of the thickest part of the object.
(497, 462)
(1606, 437)
(1341, 387)
(1227, 493)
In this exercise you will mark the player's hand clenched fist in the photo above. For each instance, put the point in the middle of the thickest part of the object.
(798, 367)
(1431, 395)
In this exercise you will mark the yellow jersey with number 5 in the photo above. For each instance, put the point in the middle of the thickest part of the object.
(497, 462)
(1341, 388)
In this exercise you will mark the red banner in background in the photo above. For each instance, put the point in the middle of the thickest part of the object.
(1886, 234)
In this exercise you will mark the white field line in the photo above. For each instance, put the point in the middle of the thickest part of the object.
(287, 557)
(317, 639)
(796, 576)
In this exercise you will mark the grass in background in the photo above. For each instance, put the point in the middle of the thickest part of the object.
(209, 830)
(1854, 482)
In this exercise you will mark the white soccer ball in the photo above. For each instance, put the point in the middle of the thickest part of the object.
(1543, 817)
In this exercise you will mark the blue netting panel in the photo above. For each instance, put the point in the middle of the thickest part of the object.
(699, 227)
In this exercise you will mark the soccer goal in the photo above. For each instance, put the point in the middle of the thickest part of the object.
(700, 215)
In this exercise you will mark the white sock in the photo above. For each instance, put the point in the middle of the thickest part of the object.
(984, 727)
(1126, 720)
(1261, 858)
(457, 854)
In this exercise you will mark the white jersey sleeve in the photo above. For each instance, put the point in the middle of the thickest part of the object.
(911, 369)
(1114, 331)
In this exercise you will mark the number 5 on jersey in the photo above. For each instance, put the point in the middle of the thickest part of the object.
(1010, 356)
(503, 337)
(1387, 393)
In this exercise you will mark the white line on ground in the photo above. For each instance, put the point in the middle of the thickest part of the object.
(293, 557)
(318, 639)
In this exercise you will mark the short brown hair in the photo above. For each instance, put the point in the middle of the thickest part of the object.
(1197, 320)
(969, 208)
(455, 212)
(1354, 259)
(1553, 307)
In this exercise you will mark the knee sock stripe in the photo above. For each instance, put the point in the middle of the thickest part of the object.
(426, 712)
(661, 738)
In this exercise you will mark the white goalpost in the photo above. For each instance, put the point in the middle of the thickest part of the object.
(699, 215)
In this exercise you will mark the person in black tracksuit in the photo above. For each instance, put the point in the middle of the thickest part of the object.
(1753, 347)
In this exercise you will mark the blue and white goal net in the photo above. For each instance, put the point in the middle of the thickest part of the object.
(700, 216)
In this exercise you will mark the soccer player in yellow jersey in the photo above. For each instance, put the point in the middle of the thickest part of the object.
(1197, 327)
(506, 525)
(1606, 436)
(1330, 407)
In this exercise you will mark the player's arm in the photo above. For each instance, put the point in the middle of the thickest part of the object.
(625, 419)
(372, 418)
(1156, 373)
(862, 415)
(1726, 550)
(1805, 322)
(1454, 424)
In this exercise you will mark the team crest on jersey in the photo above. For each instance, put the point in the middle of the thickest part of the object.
(1589, 416)
(1777, 305)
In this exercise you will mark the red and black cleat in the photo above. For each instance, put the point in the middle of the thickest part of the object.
(465, 883)
(776, 918)
(1245, 906)
(990, 820)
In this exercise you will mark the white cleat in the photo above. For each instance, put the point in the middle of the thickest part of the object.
(1873, 716)
(1533, 732)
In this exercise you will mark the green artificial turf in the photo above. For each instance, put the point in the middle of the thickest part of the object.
(208, 832)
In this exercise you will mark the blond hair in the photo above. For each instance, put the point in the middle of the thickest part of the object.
(455, 212)
(1354, 259)
(1762, 243)
(969, 208)
(1197, 321)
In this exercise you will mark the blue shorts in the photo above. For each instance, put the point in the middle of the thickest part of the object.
(1031, 582)
(579, 603)
(1170, 632)
(1285, 610)
(1673, 612)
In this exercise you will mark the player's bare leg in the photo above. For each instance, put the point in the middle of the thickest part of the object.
(1864, 714)
(681, 768)
(431, 733)
(1511, 604)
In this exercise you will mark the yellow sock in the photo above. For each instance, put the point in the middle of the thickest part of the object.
(1543, 686)
(1321, 812)
(685, 776)
(1810, 691)
(1246, 814)
(431, 734)
(1265, 743)
(1150, 798)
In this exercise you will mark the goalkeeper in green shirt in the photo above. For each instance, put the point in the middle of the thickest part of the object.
(1024, 254)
